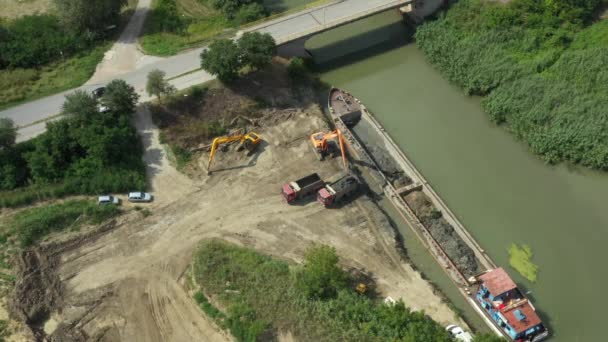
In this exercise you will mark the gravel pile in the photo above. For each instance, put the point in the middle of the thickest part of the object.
(462, 256)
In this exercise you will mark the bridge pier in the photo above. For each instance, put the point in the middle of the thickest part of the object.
(294, 48)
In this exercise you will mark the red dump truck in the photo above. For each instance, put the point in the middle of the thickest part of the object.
(336, 191)
(302, 187)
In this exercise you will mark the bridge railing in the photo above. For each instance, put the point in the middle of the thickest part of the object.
(339, 21)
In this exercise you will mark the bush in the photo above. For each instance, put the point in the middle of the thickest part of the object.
(260, 294)
(165, 18)
(249, 13)
(85, 153)
(35, 40)
(232, 7)
(297, 69)
(321, 277)
(541, 69)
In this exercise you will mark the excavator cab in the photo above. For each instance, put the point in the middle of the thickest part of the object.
(322, 143)
(249, 142)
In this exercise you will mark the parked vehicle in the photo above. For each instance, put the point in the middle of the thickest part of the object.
(108, 199)
(335, 192)
(102, 108)
(302, 187)
(98, 92)
(140, 197)
(459, 334)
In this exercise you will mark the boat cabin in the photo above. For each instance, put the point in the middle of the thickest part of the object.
(508, 307)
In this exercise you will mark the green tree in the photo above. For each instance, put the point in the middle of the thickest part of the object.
(297, 69)
(256, 49)
(55, 151)
(321, 277)
(222, 59)
(8, 133)
(231, 7)
(80, 106)
(249, 13)
(34, 40)
(89, 15)
(120, 97)
(157, 85)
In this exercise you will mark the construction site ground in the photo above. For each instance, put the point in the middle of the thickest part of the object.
(127, 282)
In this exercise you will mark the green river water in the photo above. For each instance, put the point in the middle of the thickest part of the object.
(501, 192)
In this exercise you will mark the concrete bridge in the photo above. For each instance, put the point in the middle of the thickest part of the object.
(291, 32)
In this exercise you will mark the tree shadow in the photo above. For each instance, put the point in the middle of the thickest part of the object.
(252, 162)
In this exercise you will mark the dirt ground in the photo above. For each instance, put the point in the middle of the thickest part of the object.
(124, 284)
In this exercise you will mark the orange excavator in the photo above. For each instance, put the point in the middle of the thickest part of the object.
(248, 141)
(321, 142)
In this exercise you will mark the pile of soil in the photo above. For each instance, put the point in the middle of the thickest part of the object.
(37, 288)
(458, 251)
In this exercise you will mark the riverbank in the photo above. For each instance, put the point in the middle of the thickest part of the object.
(540, 67)
(447, 240)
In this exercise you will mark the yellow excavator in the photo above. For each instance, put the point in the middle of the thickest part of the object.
(248, 141)
(321, 144)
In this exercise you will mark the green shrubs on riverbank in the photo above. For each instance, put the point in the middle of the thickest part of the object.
(314, 302)
(541, 68)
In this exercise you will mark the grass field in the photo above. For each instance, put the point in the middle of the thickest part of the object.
(21, 85)
(17, 8)
(203, 24)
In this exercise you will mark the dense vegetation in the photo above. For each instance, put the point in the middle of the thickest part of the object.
(175, 25)
(225, 58)
(87, 152)
(72, 38)
(315, 302)
(541, 65)
(31, 225)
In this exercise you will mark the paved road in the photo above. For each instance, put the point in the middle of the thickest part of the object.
(31, 116)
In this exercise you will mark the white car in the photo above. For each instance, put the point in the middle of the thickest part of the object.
(140, 197)
(102, 108)
(108, 199)
(459, 334)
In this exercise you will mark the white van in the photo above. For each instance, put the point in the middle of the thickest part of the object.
(458, 334)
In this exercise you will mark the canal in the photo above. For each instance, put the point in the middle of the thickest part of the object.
(500, 191)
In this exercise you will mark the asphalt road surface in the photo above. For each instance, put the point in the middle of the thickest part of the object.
(31, 117)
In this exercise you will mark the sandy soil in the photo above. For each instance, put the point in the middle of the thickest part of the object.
(125, 56)
(125, 284)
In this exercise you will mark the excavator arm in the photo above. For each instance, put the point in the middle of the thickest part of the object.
(320, 139)
(249, 141)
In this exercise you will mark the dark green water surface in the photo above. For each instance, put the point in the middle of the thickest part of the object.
(500, 191)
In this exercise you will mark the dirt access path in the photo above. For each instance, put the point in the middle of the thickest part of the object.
(127, 284)
(125, 56)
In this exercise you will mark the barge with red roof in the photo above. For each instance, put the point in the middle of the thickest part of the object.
(508, 308)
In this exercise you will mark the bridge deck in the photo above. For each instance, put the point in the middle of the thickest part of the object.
(324, 18)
